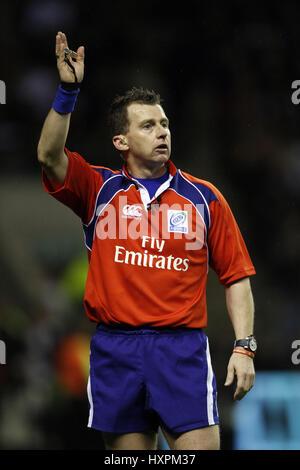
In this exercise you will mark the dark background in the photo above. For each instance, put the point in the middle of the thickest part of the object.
(225, 72)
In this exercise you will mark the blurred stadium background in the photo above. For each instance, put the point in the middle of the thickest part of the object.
(225, 71)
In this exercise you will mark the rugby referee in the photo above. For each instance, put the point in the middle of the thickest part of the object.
(151, 232)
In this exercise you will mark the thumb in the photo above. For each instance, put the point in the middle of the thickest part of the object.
(80, 51)
(230, 376)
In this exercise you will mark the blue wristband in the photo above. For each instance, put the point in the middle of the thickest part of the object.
(64, 102)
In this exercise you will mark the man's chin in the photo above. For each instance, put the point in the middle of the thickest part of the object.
(161, 156)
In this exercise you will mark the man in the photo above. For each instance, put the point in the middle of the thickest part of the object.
(151, 232)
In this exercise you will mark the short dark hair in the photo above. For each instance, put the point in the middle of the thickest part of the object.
(118, 116)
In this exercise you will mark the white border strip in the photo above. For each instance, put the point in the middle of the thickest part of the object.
(207, 206)
(90, 398)
(96, 216)
(210, 390)
(114, 176)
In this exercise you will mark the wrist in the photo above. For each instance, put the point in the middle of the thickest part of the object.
(245, 352)
(74, 86)
(64, 102)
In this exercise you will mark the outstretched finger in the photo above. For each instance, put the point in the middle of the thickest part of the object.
(63, 39)
(61, 44)
(58, 43)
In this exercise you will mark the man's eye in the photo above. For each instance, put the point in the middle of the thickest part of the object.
(146, 126)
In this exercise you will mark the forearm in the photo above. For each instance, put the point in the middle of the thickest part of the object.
(53, 138)
(240, 306)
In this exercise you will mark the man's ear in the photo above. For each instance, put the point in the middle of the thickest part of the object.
(120, 142)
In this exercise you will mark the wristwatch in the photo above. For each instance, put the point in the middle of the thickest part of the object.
(248, 343)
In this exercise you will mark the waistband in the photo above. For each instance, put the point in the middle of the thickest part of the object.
(144, 329)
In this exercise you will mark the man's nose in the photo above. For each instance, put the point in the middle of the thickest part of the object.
(162, 132)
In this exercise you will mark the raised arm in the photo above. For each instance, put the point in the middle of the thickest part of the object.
(55, 130)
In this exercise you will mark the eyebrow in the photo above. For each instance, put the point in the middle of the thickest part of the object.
(152, 121)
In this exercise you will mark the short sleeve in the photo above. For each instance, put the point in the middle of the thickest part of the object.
(79, 190)
(228, 254)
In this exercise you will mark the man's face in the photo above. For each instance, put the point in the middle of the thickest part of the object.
(148, 137)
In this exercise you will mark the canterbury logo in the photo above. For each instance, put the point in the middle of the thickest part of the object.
(132, 211)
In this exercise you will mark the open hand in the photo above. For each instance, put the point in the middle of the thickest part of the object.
(76, 59)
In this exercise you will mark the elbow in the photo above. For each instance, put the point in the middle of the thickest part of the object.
(41, 154)
(45, 158)
(41, 157)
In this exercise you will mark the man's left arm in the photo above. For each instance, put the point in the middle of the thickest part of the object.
(240, 306)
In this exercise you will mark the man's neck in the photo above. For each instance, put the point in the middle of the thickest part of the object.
(145, 172)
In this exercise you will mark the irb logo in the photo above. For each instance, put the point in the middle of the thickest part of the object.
(178, 221)
(2, 92)
(2, 352)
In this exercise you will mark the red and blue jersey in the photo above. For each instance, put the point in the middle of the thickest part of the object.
(149, 258)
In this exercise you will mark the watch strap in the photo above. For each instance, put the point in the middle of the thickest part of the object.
(248, 343)
(241, 342)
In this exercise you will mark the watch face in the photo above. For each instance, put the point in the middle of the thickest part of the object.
(252, 344)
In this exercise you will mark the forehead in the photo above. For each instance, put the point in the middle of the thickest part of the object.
(138, 112)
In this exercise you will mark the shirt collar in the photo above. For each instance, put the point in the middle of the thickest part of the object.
(170, 165)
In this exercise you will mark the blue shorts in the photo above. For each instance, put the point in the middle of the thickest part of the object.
(144, 378)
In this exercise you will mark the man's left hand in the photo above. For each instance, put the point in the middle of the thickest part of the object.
(242, 367)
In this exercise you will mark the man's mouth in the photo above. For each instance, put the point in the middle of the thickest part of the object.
(162, 147)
